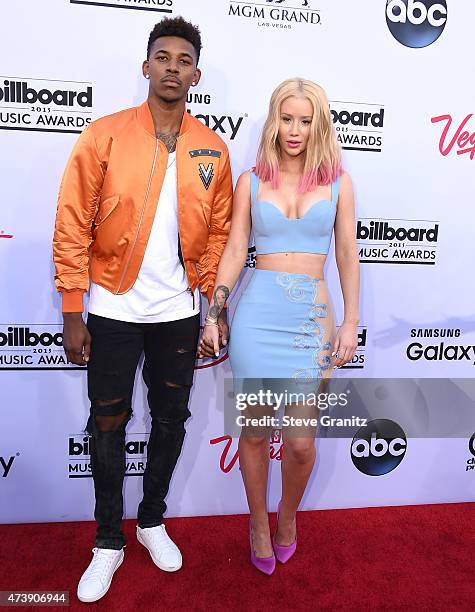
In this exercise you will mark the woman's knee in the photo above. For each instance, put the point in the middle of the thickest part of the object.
(302, 450)
(253, 441)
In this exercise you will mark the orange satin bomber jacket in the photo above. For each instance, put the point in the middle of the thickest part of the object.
(109, 194)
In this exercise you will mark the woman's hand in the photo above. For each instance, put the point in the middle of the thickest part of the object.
(345, 344)
(209, 342)
(223, 328)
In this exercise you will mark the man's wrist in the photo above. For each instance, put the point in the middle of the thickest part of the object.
(72, 301)
(72, 317)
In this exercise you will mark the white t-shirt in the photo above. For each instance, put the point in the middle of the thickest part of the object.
(161, 291)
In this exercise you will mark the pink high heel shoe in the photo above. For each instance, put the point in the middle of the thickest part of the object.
(264, 564)
(283, 553)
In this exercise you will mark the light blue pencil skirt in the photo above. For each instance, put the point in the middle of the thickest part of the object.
(283, 328)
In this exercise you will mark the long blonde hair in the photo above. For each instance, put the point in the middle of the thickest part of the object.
(323, 154)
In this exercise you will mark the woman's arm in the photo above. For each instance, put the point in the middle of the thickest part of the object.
(231, 263)
(347, 261)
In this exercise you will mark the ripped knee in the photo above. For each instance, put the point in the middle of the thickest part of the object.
(182, 350)
(108, 415)
(172, 385)
(169, 402)
(111, 423)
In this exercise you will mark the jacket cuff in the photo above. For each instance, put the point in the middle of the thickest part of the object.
(72, 301)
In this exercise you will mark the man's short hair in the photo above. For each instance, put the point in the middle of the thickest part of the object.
(176, 26)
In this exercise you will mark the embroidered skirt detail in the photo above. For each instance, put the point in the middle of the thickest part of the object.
(283, 328)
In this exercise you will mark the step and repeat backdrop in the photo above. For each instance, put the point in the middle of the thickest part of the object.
(397, 74)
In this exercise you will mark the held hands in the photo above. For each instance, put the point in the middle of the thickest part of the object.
(214, 337)
(216, 331)
(345, 344)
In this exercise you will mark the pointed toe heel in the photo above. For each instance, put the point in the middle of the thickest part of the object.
(263, 564)
(283, 552)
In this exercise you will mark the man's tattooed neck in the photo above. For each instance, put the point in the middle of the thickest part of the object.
(220, 295)
(169, 140)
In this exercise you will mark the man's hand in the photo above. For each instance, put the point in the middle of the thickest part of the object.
(76, 338)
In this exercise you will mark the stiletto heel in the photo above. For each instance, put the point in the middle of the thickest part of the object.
(264, 564)
(283, 553)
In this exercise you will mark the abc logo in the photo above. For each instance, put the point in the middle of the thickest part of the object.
(416, 23)
(378, 447)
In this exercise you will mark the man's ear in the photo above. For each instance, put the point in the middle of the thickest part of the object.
(197, 76)
(145, 68)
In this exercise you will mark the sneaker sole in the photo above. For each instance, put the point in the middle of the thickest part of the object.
(162, 567)
(92, 600)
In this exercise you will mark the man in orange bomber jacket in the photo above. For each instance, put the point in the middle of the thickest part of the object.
(144, 212)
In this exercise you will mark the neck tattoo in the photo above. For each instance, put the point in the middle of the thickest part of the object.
(169, 140)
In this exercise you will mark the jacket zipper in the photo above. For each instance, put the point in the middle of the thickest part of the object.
(183, 262)
(141, 216)
(192, 296)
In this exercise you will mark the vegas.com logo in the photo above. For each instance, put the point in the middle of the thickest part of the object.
(416, 23)
(378, 447)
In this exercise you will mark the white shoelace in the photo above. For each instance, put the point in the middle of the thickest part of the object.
(100, 564)
(161, 539)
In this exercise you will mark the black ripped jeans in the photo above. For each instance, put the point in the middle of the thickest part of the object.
(116, 347)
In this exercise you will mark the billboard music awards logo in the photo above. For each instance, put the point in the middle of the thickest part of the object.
(202, 108)
(416, 23)
(44, 105)
(282, 14)
(32, 346)
(456, 139)
(229, 454)
(378, 447)
(393, 241)
(470, 464)
(359, 360)
(437, 344)
(161, 6)
(251, 257)
(359, 126)
(79, 462)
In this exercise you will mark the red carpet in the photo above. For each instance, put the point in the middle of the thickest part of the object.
(396, 558)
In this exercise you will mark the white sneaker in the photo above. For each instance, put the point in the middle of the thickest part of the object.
(164, 552)
(96, 580)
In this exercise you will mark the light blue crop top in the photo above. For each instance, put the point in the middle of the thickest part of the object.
(275, 233)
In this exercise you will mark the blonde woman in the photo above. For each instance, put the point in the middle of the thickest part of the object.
(283, 326)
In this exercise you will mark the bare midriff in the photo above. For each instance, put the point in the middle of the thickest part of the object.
(295, 263)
